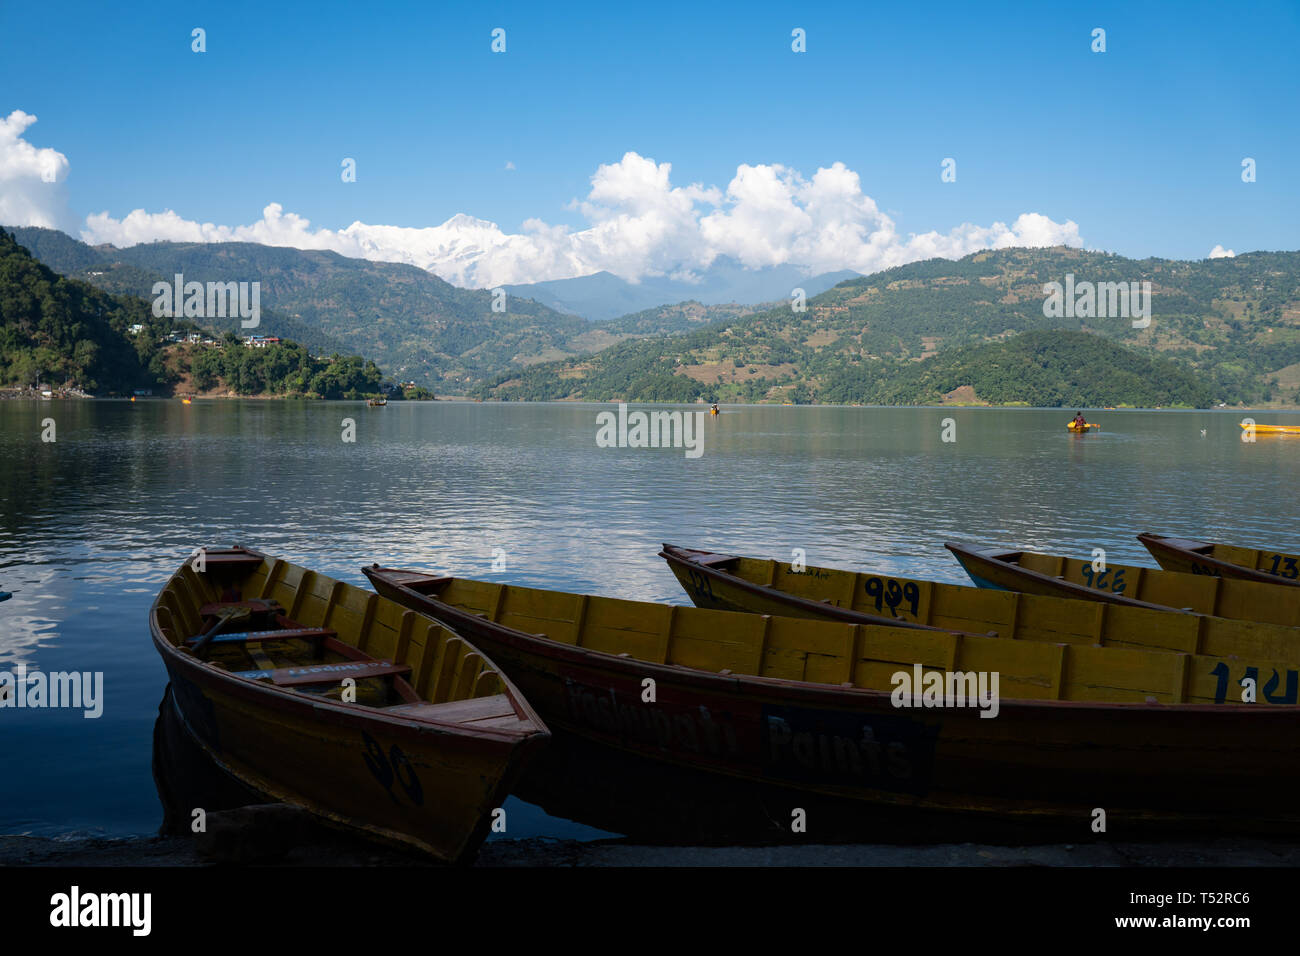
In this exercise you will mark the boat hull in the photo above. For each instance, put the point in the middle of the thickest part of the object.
(1217, 560)
(1272, 429)
(1059, 576)
(429, 791)
(1046, 762)
(835, 595)
(430, 786)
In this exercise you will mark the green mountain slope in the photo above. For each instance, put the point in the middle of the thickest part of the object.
(1044, 369)
(67, 333)
(409, 320)
(1234, 322)
(59, 331)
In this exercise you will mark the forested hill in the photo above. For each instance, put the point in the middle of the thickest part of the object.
(61, 332)
(1043, 369)
(410, 321)
(1232, 323)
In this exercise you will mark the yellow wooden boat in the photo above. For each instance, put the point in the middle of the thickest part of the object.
(789, 710)
(1223, 560)
(1123, 584)
(322, 695)
(1272, 429)
(1231, 649)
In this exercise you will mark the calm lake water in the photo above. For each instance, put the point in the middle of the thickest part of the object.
(92, 524)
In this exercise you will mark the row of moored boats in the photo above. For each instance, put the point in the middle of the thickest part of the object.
(792, 702)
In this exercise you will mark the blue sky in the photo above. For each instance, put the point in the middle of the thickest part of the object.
(1141, 146)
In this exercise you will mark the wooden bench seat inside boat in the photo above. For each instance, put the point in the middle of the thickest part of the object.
(235, 559)
(317, 634)
(327, 673)
(493, 711)
(254, 606)
(717, 560)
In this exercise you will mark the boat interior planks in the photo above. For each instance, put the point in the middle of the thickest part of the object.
(328, 697)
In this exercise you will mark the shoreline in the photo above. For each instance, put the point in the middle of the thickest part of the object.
(169, 851)
(29, 395)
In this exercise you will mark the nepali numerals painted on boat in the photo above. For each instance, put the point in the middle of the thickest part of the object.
(833, 747)
(1269, 689)
(1284, 566)
(1110, 579)
(887, 592)
(698, 584)
(390, 768)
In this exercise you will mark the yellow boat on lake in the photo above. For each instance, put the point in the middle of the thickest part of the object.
(1223, 560)
(776, 710)
(1272, 429)
(773, 587)
(329, 698)
(1128, 585)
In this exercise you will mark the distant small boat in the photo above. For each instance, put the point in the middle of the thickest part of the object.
(1272, 429)
(1082, 428)
(1223, 560)
(187, 401)
(377, 402)
(335, 700)
(5, 595)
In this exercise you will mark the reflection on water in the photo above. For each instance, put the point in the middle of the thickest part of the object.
(93, 524)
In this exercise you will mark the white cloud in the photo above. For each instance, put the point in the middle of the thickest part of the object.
(1218, 252)
(640, 225)
(31, 178)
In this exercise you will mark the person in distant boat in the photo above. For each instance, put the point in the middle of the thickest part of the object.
(713, 409)
(1079, 420)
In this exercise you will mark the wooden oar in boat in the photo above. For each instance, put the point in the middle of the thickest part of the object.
(226, 615)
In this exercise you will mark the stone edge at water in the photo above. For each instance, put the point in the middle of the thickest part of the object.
(181, 851)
